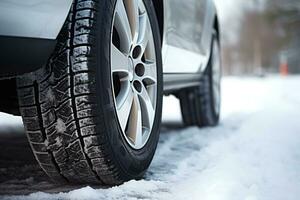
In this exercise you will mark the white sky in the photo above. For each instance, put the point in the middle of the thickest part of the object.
(233, 9)
(230, 13)
(228, 8)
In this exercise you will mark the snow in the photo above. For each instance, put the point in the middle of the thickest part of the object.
(10, 123)
(253, 154)
(60, 126)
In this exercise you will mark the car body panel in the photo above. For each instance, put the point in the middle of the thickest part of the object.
(29, 29)
(187, 32)
(33, 18)
(188, 27)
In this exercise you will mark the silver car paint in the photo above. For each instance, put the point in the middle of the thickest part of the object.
(33, 18)
(187, 35)
(188, 28)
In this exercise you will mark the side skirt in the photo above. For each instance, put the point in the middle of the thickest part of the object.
(174, 82)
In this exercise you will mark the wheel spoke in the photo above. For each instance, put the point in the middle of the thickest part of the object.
(119, 61)
(148, 106)
(144, 31)
(134, 71)
(150, 72)
(124, 104)
(135, 129)
(133, 15)
(123, 26)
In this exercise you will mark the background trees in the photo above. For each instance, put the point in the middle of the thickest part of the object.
(268, 33)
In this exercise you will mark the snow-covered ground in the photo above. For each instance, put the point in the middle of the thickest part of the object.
(253, 155)
(10, 123)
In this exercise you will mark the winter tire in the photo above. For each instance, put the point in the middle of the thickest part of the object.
(92, 113)
(200, 106)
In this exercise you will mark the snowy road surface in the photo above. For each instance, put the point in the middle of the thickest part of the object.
(253, 155)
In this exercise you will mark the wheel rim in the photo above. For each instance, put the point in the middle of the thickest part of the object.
(133, 71)
(216, 76)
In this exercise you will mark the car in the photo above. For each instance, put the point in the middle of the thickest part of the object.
(88, 78)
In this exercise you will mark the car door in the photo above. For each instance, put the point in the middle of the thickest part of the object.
(184, 48)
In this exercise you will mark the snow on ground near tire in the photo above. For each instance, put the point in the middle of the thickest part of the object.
(10, 123)
(254, 154)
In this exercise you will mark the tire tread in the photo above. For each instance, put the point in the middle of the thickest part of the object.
(61, 95)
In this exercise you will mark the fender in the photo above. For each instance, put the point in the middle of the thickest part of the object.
(188, 29)
(33, 18)
(28, 33)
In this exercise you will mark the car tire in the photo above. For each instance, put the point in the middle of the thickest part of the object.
(200, 106)
(69, 106)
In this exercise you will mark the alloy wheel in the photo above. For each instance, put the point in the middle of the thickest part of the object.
(133, 71)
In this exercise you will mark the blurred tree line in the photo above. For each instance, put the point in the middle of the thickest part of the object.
(268, 34)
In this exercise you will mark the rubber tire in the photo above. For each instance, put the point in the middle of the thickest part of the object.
(68, 109)
(197, 104)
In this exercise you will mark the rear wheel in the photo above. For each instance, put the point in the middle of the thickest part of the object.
(92, 114)
(200, 106)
